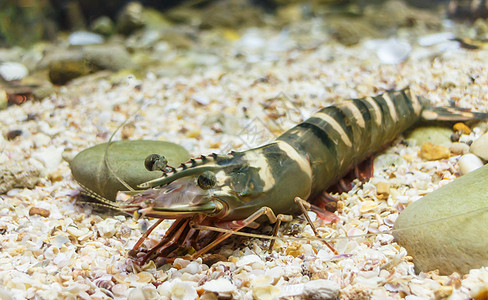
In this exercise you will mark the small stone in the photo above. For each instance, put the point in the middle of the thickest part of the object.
(79, 38)
(3, 229)
(3, 99)
(130, 18)
(321, 289)
(103, 25)
(480, 147)
(24, 175)
(461, 127)
(211, 259)
(393, 51)
(469, 162)
(383, 190)
(295, 249)
(13, 71)
(443, 292)
(437, 135)
(39, 211)
(430, 151)
(12, 134)
(459, 148)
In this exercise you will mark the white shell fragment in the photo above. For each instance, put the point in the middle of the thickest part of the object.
(469, 162)
(480, 147)
(248, 260)
(79, 38)
(220, 285)
(321, 289)
(13, 71)
(393, 51)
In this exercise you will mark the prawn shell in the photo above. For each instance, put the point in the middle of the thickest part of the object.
(126, 158)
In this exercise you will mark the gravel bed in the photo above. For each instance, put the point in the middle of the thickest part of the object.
(248, 93)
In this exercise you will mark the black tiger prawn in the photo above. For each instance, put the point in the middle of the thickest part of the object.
(236, 190)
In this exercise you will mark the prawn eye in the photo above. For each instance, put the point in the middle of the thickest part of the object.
(207, 180)
(155, 162)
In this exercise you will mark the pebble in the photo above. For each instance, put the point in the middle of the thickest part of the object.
(430, 151)
(12, 134)
(295, 249)
(459, 148)
(23, 175)
(435, 134)
(436, 38)
(383, 190)
(39, 211)
(321, 289)
(461, 127)
(79, 38)
(13, 71)
(393, 51)
(469, 162)
(480, 147)
(452, 244)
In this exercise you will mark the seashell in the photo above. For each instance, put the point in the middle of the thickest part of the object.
(181, 290)
(321, 289)
(145, 277)
(13, 71)
(59, 241)
(104, 282)
(393, 51)
(180, 263)
(79, 38)
(107, 228)
(150, 292)
(220, 285)
(248, 260)
(266, 292)
(368, 206)
(136, 294)
(120, 289)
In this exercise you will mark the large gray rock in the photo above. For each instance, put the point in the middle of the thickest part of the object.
(126, 160)
(448, 229)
